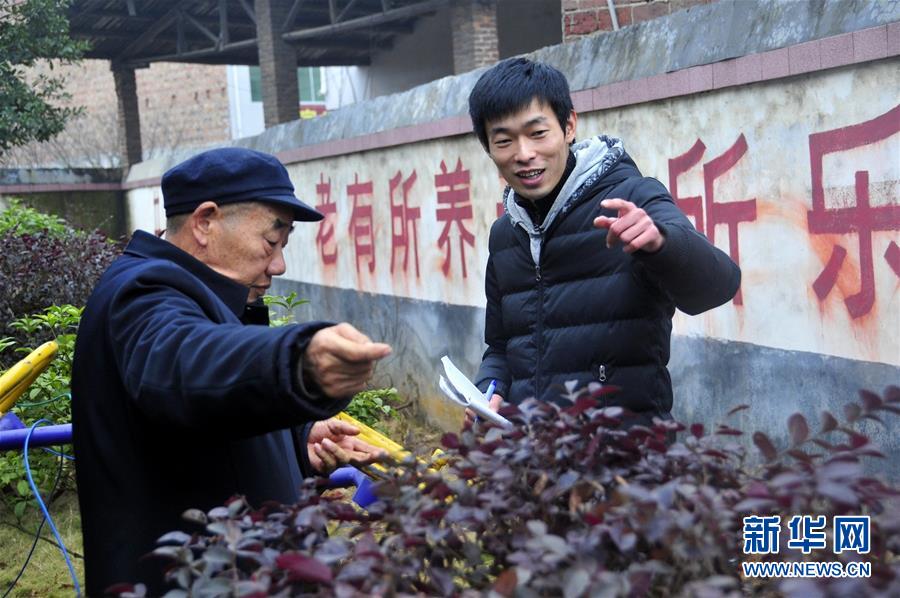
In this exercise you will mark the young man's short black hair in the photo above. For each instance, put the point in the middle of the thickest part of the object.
(510, 86)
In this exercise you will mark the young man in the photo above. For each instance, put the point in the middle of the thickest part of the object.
(590, 260)
(182, 395)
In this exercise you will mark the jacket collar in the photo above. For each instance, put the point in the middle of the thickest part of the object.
(231, 293)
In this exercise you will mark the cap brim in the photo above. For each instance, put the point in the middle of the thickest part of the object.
(302, 211)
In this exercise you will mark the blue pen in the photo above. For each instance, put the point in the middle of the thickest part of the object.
(489, 393)
(490, 390)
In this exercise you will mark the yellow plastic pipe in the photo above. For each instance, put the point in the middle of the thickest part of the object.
(16, 379)
(376, 438)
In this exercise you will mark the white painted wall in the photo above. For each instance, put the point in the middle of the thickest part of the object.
(246, 115)
(780, 257)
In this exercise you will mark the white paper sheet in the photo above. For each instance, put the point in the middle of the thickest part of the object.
(460, 389)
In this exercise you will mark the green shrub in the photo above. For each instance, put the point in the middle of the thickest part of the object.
(48, 398)
(284, 305)
(371, 407)
(23, 220)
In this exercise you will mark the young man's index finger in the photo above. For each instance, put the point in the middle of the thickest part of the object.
(622, 205)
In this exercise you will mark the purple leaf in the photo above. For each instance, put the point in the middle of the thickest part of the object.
(728, 431)
(829, 423)
(787, 479)
(765, 446)
(868, 451)
(798, 428)
(755, 505)
(506, 582)
(800, 455)
(758, 490)
(737, 408)
(841, 470)
(838, 493)
(870, 400)
(304, 568)
(892, 394)
(175, 537)
(715, 453)
(443, 579)
(825, 445)
(858, 440)
(852, 411)
(581, 405)
(657, 445)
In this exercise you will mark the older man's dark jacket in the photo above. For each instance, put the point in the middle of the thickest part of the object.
(564, 311)
(178, 403)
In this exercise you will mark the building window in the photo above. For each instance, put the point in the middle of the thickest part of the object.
(309, 82)
(255, 84)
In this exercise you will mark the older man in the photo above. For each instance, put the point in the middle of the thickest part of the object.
(182, 394)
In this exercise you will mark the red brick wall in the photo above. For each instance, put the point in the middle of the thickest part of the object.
(474, 27)
(181, 105)
(583, 17)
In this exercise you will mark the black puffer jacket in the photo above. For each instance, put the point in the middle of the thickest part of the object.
(562, 308)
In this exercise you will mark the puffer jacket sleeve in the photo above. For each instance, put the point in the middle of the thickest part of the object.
(493, 362)
(179, 368)
(697, 275)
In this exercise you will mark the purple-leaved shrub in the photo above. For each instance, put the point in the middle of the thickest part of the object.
(567, 503)
(44, 268)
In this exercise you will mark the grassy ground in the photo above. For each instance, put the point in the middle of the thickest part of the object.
(47, 575)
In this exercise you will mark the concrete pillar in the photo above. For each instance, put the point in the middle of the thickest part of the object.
(474, 24)
(277, 64)
(128, 115)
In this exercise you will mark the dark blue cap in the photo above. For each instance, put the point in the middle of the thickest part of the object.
(230, 175)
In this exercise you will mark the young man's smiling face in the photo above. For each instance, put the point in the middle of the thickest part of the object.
(530, 149)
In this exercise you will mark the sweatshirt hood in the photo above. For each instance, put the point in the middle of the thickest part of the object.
(594, 160)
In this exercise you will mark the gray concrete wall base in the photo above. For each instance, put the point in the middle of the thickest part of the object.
(420, 332)
(710, 376)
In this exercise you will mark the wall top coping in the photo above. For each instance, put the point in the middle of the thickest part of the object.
(649, 61)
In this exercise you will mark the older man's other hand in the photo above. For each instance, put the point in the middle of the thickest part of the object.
(341, 359)
(333, 443)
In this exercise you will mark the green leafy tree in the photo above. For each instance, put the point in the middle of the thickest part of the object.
(32, 31)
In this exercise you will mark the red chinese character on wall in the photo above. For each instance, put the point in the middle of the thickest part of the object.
(705, 211)
(863, 218)
(453, 195)
(403, 221)
(361, 224)
(325, 240)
